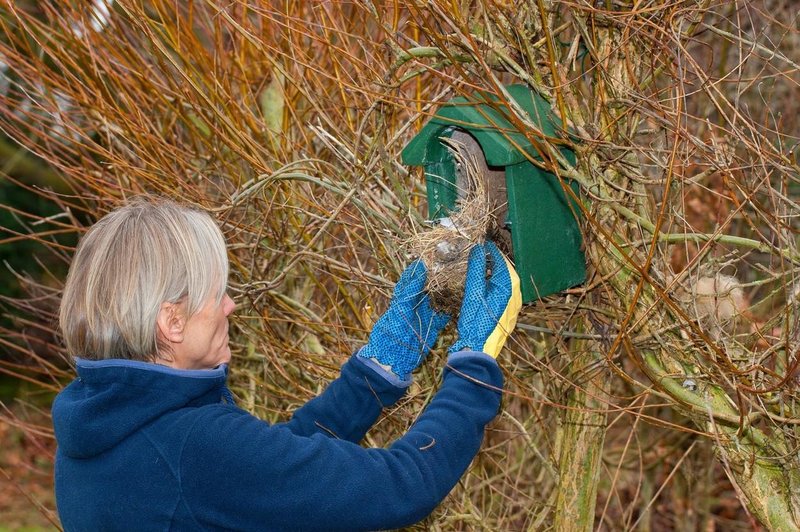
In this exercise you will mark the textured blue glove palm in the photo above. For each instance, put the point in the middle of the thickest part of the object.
(492, 301)
(404, 335)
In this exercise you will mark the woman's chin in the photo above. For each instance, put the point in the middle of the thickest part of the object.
(225, 356)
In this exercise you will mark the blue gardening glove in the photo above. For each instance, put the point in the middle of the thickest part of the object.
(492, 301)
(404, 335)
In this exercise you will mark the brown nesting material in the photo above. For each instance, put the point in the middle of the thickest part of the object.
(444, 248)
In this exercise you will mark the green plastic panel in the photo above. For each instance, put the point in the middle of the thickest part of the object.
(486, 120)
(544, 232)
(440, 177)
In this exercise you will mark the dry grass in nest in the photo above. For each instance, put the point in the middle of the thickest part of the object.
(445, 247)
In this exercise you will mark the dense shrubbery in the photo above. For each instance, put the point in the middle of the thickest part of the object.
(286, 122)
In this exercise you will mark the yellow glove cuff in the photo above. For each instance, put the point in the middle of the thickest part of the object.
(508, 320)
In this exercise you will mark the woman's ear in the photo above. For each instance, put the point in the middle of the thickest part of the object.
(171, 322)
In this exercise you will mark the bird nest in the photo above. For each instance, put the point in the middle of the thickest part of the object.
(444, 247)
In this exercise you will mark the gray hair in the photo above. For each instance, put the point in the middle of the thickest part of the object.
(135, 258)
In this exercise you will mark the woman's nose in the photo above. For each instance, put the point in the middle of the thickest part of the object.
(228, 305)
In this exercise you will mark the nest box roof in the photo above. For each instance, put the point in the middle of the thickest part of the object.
(487, 119)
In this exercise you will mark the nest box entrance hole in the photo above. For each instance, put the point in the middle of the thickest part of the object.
(465, 150)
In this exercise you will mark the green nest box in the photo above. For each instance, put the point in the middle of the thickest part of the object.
(538, 220)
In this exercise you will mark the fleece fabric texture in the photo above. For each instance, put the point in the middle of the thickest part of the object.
(144, 447)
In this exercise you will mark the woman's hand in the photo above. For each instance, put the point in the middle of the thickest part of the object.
(406, 332)
(492, 301)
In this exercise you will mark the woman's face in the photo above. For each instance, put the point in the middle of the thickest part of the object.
(205, 337)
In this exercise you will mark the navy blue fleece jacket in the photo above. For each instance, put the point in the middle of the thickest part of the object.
(145, 447)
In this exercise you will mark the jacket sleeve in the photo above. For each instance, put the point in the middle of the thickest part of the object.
(351, 404)
(238, 472)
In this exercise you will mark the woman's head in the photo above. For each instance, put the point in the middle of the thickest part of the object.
(138, 262)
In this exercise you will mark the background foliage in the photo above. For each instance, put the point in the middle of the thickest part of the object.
(659, 395)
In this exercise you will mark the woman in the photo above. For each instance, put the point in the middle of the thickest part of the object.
(149, 437)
